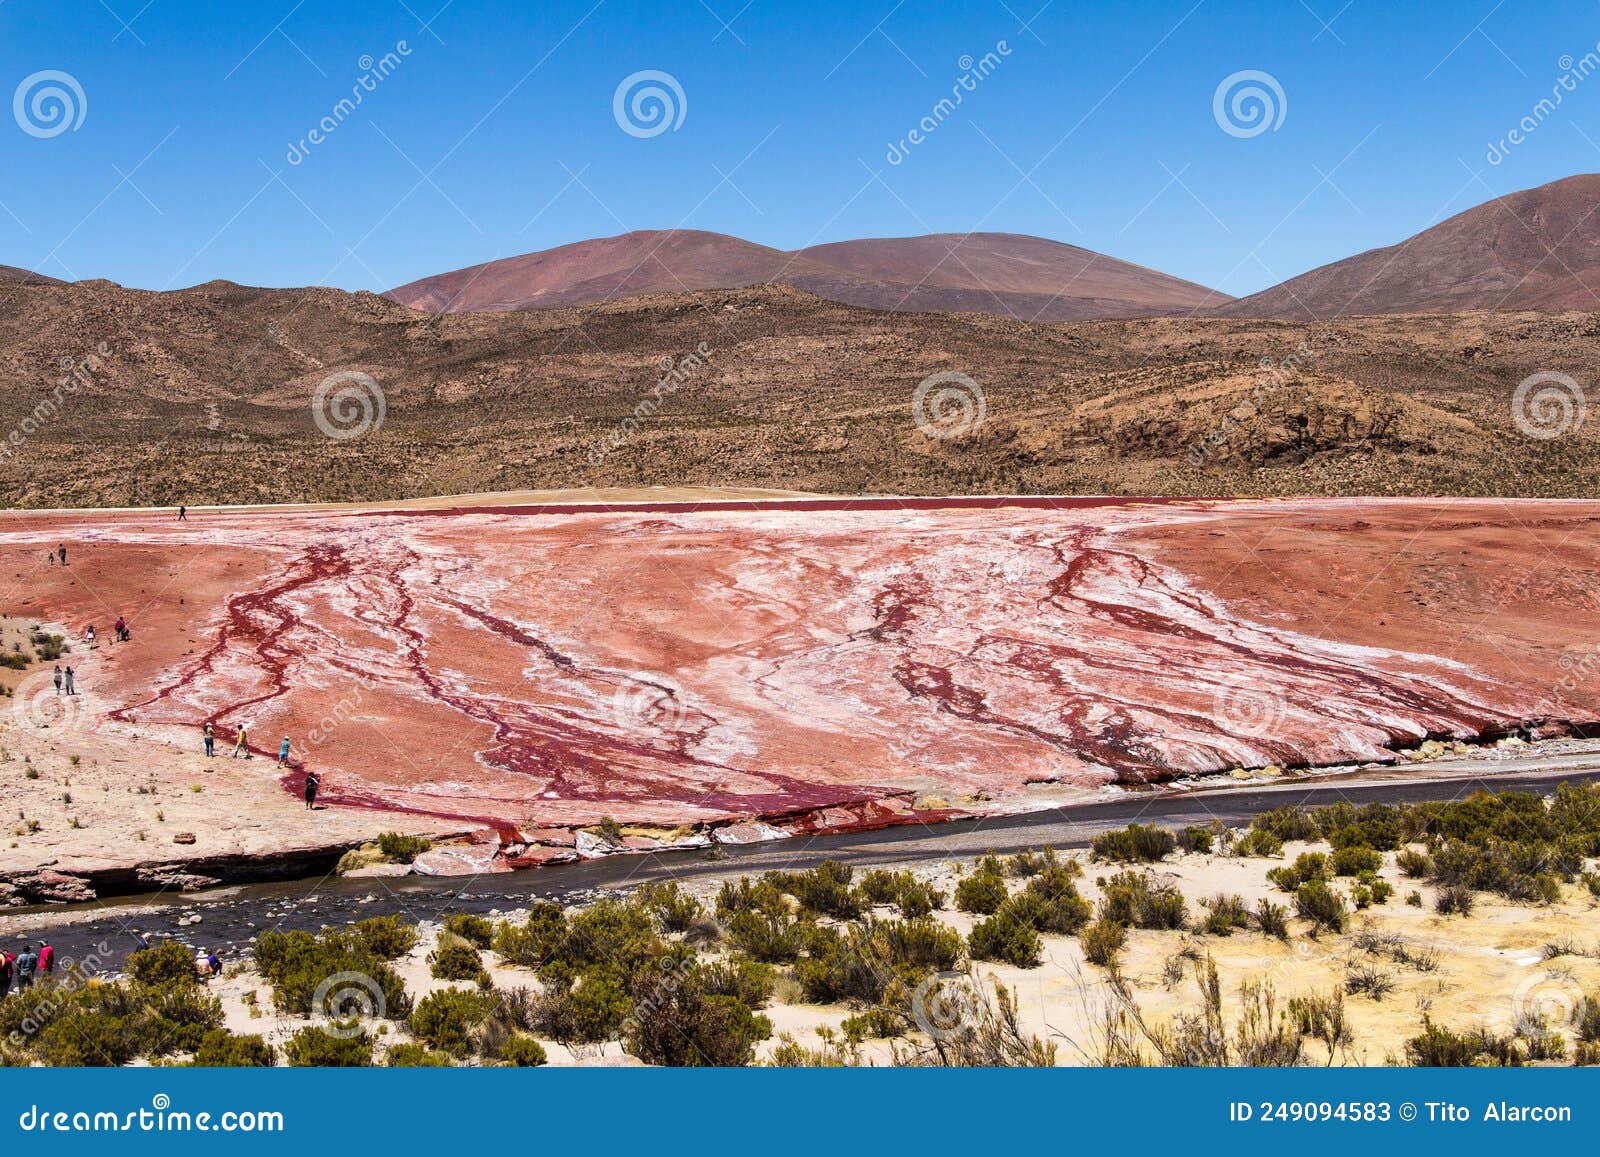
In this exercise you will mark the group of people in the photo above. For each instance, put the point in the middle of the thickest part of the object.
(66, 680)
(58, 555)
(20, 970)
(241, 749)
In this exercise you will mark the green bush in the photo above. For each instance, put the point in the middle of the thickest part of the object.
(298, 965)
(1455, 900)
(673, 908)
(1414, 864)
(475, 930)
(1136, 843)
(1438, 1047)
(767, 936)
(749, 980)
(220, 1049)
(446, 1020)
(1321, 905)
(1272, 919)
(401, 849)
(1355, 859)
(1197, 839)
(824, 889)
(523, 1052)
(537, 939)
(84, 1038)
(318, 1048)
(1307, 866)
(168, 963)
(1287, 823)
(1005, 936)
(1060, 909)
(1224, 914)
(981, 893)
(178, 1017)
(686, 1026)
(386, 937)
(1132, 898)
(1103, 941)
(415, 1056)
(456, 960)
(1258, 842)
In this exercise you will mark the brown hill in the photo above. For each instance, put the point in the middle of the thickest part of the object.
(1537, 249)
(205, 395)
(12, 275)
(1028, 278)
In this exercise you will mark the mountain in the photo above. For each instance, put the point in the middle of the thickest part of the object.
(1534, 250)
(11, 275)
(1027, 278)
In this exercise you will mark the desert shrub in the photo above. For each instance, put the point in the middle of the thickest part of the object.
(1005, 936)
(1259, 842)
(824, 889)
(1195, 838)
(861, 961)
(981, 893)
(446, 1020)
(537, 939)
(1414, 899)
(1136, 843)
(902, 889)
(1059, 908)
(168, 963)
(220, 1049)
(772, 937)
(386, 937)
(1369, 889)
(297, 964)
(523, 1052)
(349, 1048)
(1103, 941)
(415, 1056)
(749, 980)
(1455, 900)
(1272, 919)
(1320, 904)
(873, 1024)
(178, 1018)
(684, 1025)
(1322, 1018)
(1414, 864)
(749, 895)
(1438, 1047)
(83, 1038)
(1307, 866)
(456, 960)
(673, 908)
(1354, 859)
(610, 932)
(589, 1011)
(401, 849)
(1132, 898)
(1224, 914)
(475, 930)
(1030, 863)
(1365, 980)
(1287, 823)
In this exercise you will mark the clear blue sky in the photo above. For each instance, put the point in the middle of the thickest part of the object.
(495, 134)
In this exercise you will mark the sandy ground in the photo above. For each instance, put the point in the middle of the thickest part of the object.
(527, 670)
(1489, 965)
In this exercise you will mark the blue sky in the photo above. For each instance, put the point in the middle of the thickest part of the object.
(493, 132)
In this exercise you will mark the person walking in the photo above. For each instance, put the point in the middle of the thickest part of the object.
(241, 742)
(88, 635)
(62, 551)
(312, 784)
(71, 690)
(183, 514)
(27, 963)
(58, 678)
(52, 557)
(283, 752)
(211, 740)
(7, 963)
(47, 960)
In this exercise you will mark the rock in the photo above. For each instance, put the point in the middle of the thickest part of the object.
(751, 832)
(378, 871)
(183, 837)
(460, 860)
(589, 845)
(52, 887)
